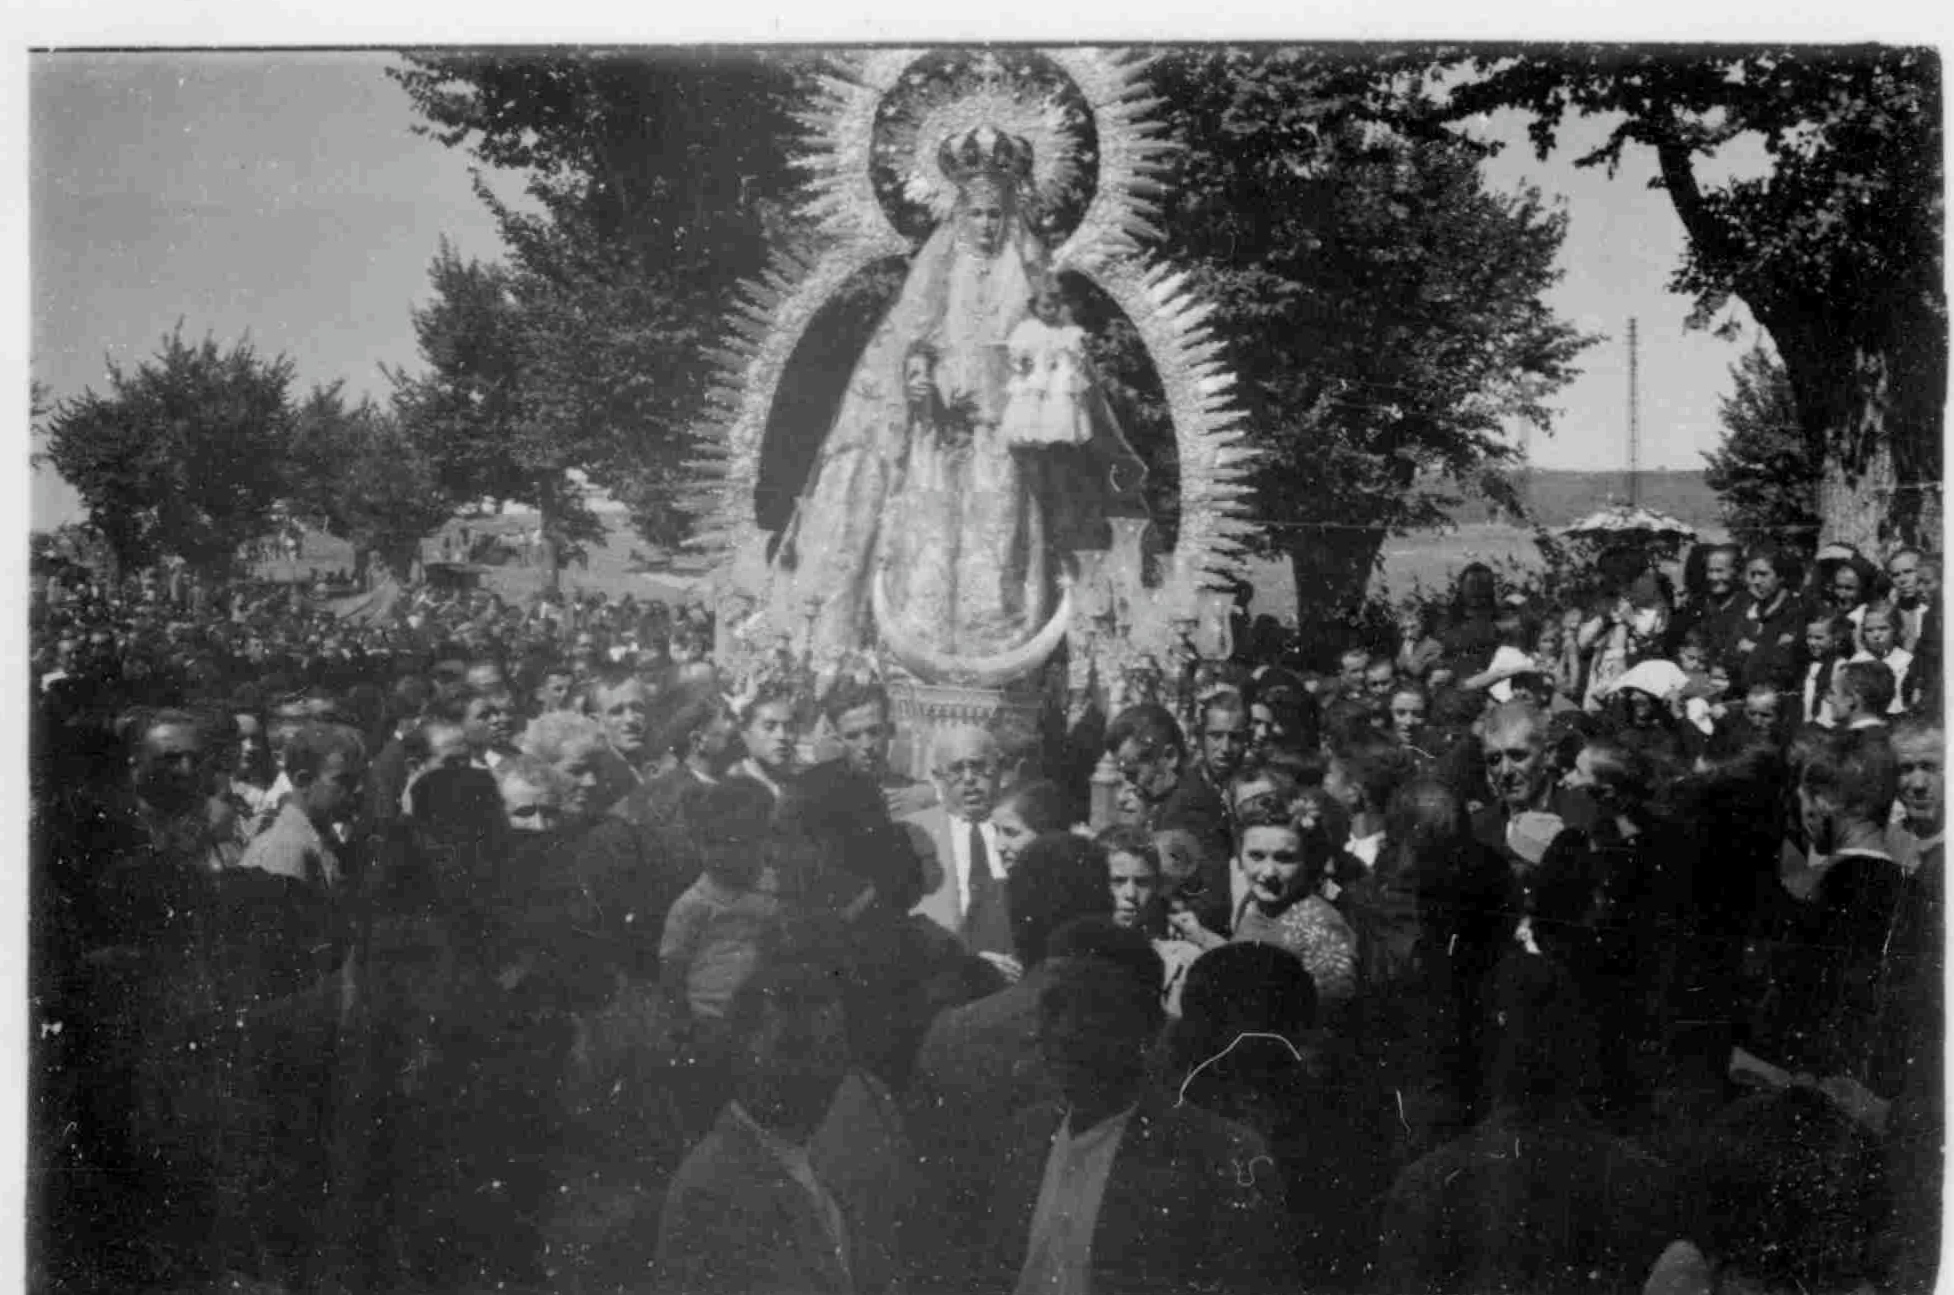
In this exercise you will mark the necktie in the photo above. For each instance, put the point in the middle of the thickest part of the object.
(985, 926)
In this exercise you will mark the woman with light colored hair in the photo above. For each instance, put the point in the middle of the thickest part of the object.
(575, 748)
(533, 793)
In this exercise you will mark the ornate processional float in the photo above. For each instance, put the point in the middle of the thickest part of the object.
(971, 525)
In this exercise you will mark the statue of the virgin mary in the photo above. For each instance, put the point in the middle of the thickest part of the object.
(918, 521)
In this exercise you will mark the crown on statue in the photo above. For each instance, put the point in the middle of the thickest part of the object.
(985, 151)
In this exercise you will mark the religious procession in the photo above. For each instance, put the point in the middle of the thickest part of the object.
(1020, 830)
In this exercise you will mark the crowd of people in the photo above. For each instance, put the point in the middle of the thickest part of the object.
(500, 948)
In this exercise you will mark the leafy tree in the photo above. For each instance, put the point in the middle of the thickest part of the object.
(657, 179)
(482, 414)
(182, 456)
(1767, 469)
(1836, 251)
(1382, 308)
(355, 473)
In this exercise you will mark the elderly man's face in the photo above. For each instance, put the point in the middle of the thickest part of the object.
(968, 771)
(1515, 763)
(1923, 778)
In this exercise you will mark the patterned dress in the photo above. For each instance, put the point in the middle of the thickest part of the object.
(1313, 930)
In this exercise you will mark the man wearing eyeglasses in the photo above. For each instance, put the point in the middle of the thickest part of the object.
(963, 872)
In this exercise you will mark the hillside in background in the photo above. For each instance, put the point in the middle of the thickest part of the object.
(1559, 497)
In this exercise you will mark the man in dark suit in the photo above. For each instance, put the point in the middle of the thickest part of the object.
(1114, 1186)
(760, 1206)
(978, 1065)
(1518, 823)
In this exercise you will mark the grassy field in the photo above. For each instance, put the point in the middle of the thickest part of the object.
(1425, 560)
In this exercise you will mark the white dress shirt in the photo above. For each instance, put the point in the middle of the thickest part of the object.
(1059, 1259)
(1816, 704)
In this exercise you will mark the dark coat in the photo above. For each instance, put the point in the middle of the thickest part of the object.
(1193, 1203)
(736, 1222)
(1776, 654)
(1524, 1204)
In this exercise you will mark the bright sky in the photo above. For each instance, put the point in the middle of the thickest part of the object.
(284, 196)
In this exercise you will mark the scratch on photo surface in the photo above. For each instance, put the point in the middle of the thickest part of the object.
(1180, 1098)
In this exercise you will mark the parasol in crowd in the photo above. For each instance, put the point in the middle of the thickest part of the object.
(1629, 523)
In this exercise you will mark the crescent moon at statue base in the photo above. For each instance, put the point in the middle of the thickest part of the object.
(992, 671)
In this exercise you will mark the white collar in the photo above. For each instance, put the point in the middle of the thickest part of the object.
(1106, 1130)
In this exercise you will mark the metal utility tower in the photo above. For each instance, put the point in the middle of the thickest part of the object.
(1634, 423)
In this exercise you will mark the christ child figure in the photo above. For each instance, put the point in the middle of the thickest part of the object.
(1045, 396)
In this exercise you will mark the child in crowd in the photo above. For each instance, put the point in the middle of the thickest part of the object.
(1045, 396)
(1693, 656)
(1552, 657)
(717, 929)
(1879, 631)
(1828, 638)
(1418, 645)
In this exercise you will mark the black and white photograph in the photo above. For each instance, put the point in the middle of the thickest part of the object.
(1026, 665)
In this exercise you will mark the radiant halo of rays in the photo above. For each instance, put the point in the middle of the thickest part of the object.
(851, 230)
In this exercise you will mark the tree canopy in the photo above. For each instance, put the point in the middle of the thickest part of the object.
(657, 179)
(1836, 250)
(1767, 469)
(353, 472)
(181, 457)
(1383, 309)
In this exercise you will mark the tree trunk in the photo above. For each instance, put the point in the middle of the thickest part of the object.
(1853, 506)
(1332, 566)
(546, 530)
(1881, 418)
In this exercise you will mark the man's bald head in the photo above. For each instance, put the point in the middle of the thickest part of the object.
(966, 764)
